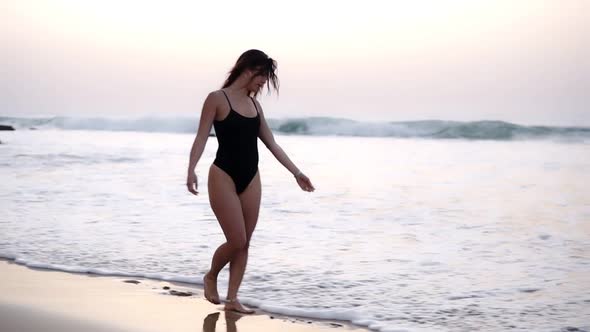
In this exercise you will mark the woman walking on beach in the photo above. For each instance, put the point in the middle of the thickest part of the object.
(234, 181)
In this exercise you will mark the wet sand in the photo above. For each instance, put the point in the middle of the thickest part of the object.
(44, 300)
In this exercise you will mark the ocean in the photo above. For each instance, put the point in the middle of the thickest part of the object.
(414, 226)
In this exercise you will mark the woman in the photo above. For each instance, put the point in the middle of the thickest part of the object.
(234, 181)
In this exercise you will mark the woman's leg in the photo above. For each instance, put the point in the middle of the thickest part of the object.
(250, 202)
(227, 208)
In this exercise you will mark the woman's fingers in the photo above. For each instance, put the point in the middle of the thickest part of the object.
(192, 187)
(305, 183)
(309, 185)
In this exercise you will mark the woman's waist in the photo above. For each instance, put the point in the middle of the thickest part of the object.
(236, 158)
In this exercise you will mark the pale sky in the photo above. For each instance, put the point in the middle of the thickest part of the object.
(523, 61)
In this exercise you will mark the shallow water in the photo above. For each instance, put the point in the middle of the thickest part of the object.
(400, 234)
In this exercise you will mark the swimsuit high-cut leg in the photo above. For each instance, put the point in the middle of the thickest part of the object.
(237, 154)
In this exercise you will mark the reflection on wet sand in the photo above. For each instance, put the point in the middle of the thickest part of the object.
(210, 322)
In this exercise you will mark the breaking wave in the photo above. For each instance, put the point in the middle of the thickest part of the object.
(318, 126)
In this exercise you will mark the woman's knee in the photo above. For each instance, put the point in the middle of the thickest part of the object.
(239, 244)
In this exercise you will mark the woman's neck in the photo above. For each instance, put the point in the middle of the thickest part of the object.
(239, 86)
(243, 91)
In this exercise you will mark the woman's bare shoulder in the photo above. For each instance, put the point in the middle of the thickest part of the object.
(215, 97)
(215, 93)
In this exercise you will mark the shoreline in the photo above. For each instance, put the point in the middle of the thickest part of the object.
(72, 301)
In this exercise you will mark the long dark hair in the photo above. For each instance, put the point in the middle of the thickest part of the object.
(259, 62)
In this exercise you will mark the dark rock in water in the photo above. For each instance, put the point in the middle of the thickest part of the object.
(529, 290)
(177, 293)
(461, 297)
(5, 127)
(132, 281)
(336, 325)
(166, 287)
(33, 128)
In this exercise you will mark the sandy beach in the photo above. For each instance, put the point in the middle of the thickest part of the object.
(44, 300)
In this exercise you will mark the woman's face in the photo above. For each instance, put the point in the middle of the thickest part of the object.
(257, 82)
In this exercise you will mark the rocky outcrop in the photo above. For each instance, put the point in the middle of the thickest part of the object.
(5, 127)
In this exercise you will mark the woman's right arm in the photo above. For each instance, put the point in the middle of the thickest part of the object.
(205, 123)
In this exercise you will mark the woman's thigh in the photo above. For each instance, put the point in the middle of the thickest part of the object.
(250, 202)
(227, 206)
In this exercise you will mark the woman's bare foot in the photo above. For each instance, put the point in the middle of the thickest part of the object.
(235, 305)
(210, 288)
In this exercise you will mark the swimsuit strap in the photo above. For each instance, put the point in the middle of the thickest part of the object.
(254, 104)
(230, 107)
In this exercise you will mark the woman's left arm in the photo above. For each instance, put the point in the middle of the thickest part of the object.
(268, 139)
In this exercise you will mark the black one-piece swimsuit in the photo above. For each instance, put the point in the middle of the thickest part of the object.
(237, 154)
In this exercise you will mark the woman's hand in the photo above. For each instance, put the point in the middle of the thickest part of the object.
(192, 183)
(304, 182)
